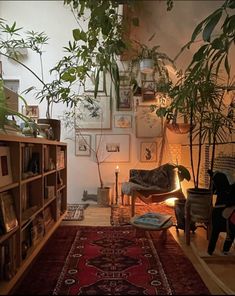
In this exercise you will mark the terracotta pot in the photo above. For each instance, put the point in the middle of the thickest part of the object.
(179, 128)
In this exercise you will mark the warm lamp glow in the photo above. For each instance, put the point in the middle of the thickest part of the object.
(170, 202)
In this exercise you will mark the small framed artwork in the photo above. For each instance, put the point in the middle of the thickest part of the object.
(148, 151)
(89, 83)
(7, 211)
(5, 166)
(124, 77)
(123, 121)
(31, 111)
(148, 90)
(125, 102)
(148, 124)
(97, 116)
(113, 148)
(82, 145)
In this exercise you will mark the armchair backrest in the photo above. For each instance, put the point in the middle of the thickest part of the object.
(165, 177)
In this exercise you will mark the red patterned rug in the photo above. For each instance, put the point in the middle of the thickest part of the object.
(83, 260)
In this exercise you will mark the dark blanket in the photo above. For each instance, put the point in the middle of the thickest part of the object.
(163, 177)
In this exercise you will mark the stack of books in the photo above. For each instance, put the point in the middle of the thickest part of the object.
(152, 219)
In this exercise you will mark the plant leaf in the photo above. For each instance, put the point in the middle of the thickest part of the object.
(213, 21)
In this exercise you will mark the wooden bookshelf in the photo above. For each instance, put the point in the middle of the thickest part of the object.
(35, 178)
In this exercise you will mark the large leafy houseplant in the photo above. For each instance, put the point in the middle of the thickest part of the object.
(199, 93)
(12, 40)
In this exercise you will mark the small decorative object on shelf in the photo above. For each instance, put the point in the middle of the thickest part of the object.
(8, 218)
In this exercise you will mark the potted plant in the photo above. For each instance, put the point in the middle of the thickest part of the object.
(199, 94)
(70, 120)
(8, 115)
(53, 92)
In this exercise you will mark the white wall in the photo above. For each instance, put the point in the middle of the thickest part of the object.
(172, 29)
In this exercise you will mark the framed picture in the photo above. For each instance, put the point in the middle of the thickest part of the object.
(148, 90)
(89, 83)
(97, 116)
(125, 103)
(124, 77)
(148, 151)
(123, 121)
(7, 211)
(5, 166)
(82, 145)
(113, 148)
(31, 111)
(148, 124)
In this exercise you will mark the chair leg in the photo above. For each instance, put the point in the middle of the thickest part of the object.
(133, 197)
(187, 224)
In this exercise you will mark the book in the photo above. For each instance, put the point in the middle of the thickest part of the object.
(7, 211)
(152, 219)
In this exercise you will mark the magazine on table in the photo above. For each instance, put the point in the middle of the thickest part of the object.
(153, 219)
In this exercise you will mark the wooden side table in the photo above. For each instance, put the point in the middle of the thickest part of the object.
(141, 228)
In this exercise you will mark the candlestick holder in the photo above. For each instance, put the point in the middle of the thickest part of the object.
(116, 186)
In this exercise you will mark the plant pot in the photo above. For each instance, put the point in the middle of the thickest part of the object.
(179, 128)
(55, 125)
(199, 200)
(146, 66)
(103, 196)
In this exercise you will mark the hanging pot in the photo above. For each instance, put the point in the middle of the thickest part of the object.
(179, 128)
(146, 66)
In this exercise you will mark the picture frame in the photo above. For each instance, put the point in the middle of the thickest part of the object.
(123, 121)
(148, 151)
(86, 119)
(113, 148)
(89, 82)
(148, 90)
(7, 211)
(125, 102)
(148, 124)
(5, 166)
(31, 111)
(82, 145)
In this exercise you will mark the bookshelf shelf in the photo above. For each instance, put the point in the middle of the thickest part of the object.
(37, 191)
(49, 172)
(10, 186)
(28, 180)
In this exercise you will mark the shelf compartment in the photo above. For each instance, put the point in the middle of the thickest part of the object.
(49, 158)
(49, 185)
(31, 160)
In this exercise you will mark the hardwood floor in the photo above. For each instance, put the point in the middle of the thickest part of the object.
(217, 271)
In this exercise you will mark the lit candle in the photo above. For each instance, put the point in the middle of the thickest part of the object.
(117, 170)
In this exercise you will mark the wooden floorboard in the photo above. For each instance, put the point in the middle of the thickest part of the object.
(217, 271)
